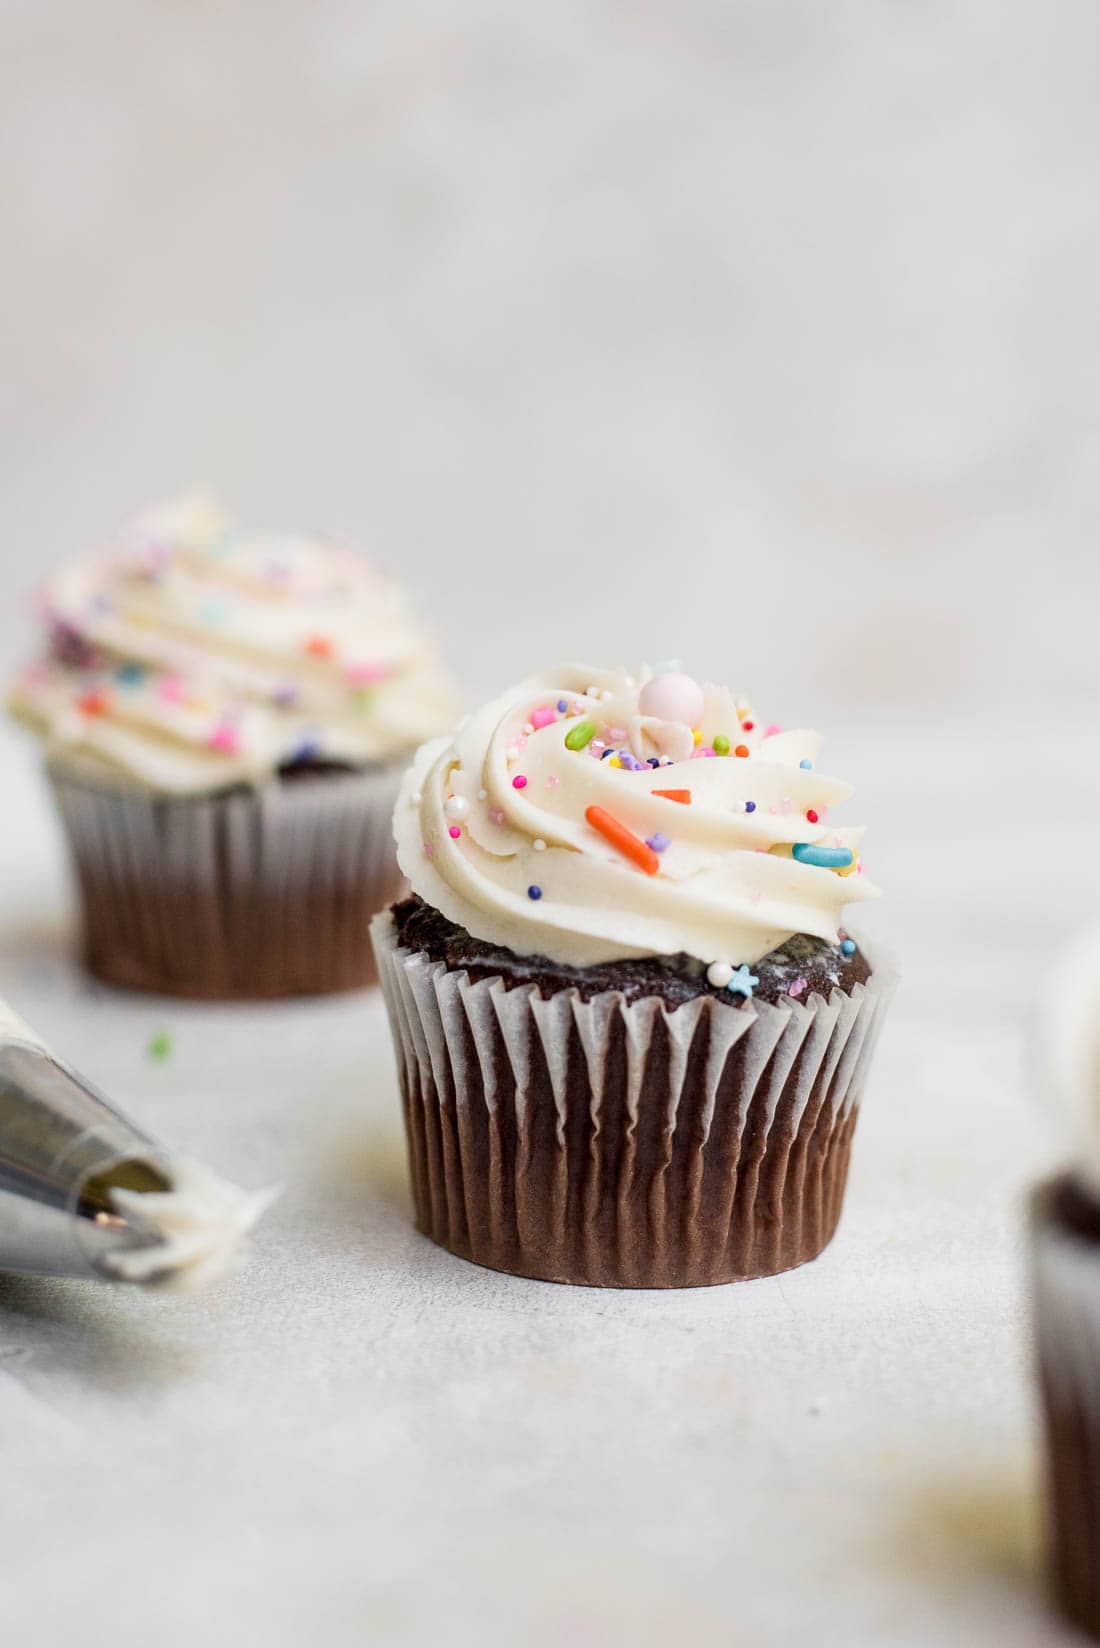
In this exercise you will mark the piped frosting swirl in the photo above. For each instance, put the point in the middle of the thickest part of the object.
(581, 818)
(189, 657)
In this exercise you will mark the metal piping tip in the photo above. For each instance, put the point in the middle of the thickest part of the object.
(83, 1192)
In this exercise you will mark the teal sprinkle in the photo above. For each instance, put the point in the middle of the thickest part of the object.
(130, 675)
(823, 858)
(743, 983)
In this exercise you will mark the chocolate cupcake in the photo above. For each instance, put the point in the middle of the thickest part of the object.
(1066, 1290)
(631, 1037)
(226, 718)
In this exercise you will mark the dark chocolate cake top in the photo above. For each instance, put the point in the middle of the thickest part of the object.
(801, 968)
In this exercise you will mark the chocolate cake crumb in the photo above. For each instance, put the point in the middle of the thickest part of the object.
(798, 969)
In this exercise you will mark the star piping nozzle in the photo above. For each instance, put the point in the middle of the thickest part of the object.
(85, 1193)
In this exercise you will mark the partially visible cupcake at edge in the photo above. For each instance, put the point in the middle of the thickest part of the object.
(1066, 1284)
(226, 716)
(631, 1030)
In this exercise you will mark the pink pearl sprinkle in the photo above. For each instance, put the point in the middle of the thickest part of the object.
(553, 781)
(770, 732)
(173, 690)
(519, 782)
(543, 716)
(225, 739)
(797, 987)
(429, 850)
(496, 815)
(365, 675)
(454, 832)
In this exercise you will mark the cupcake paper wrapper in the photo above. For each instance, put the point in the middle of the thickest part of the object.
(1066, 1291)
(252, 893)
(623, 1144)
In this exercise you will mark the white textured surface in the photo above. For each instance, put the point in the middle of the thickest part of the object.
(761, 333)
(364, 1440)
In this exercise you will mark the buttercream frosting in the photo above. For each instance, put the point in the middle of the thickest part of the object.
(566, 819)
(195, 1228)
(190, 656)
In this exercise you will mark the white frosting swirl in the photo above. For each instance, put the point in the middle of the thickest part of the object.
(191, 657)
(493, 829)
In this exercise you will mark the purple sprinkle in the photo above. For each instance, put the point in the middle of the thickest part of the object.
(750, 806)
(657, 843)
(562, 706)
(534, 892)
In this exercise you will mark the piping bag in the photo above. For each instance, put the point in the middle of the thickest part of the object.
(85, 1193)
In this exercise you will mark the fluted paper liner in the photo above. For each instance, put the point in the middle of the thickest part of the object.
(1066, 1294)
(251, 893)
(624, 1144)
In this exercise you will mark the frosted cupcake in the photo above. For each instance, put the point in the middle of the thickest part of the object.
(226, 717)
(1066, 1283)
(631, 1034)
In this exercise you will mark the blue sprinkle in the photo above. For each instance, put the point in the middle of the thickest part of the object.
(308, 750)
(657, 843)
(562, 706)
(130, 675)
(806, 765)
(743, 982)
(534, 892)
(822, 858)
(848, 945)
(653, 761)
(750, 806)
(605, 753)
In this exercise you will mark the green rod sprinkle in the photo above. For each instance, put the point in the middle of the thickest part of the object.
(577, 737)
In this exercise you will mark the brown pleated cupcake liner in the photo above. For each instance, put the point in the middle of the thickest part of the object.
(1066, 1295)
(244, 895)
(620, 1144)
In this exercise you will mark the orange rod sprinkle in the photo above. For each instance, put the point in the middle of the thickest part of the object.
(675, 795)
(625, 840)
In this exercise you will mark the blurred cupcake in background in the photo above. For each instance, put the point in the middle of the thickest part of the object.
(226, 717)
(1066, 1285)
(631, 1032)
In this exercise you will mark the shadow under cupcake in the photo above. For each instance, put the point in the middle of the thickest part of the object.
(631, 1041)
(226, 719)
(1065, 1262)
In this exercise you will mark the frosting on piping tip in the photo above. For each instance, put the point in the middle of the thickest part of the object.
(196, 1228)
(590, 816)
(190, 657)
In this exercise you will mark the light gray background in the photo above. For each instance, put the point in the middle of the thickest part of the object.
(761, 334)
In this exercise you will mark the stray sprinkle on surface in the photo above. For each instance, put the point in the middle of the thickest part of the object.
(160, 1046)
